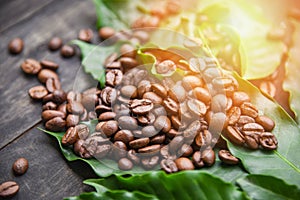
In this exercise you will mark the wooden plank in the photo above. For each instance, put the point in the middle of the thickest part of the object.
(49, 176)
(60, 18)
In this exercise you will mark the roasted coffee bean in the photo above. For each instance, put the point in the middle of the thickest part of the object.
(45, 74)
(125, 164)
(114, 77)
(85, 35)
(80, 150)
(203, 138)
(49, 65)
(102, 108)
(111, 58)
(127, 122)
(228, 104)
(108, 95)
(190, 133)
(234, 135)
(184, 164)
(227, 158)
(125, 136)
(128, 63)
(154, 98)
(55, 43)
(150, 150)
(219, 103)
(38, 92)
(67, 51)
(108, 128)
(249, 109)
(168, 166)
(56, 124)
(159, 90)
(149, 131)
(129, 91)
(128, 50)
(75, 108)
(150, 162)
(84, 116)
(165, 67)
(50, 114)
(239, 98)
(132, 155)
(72, 120)
(202, 94)
(82, 131)
(89, 101)
(176, 123)
(15, 46)
(159, 111)
(31, 66)
(158, 139)
(74, 96)
(217, 122)
(177, 93)
(119, 150)
(143, 87)
(173, 133)
(268, 87)
(139, 143)
(8, 189)
(114, 65)
(62, 108)
(233, 115)
(208, 156)
(197, 107)
(197, 159)
(171, 106)
(143, 36)
(92, 115)
(20, 166)
(185, 151)
(140, 106)
(265, 122)
(49, 106)
(268, 141)
(252, 141)
(252, 128)
(244, 119)
(107, 116)
(70, 137)
(106, 32)
(146, 119)
(53, 84)
(176, 143)
(164, 152)
(162, 123)
(190, 82)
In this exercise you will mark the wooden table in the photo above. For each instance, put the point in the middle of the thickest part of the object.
(49, 175)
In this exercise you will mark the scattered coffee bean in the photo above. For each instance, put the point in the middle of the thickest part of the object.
(106, 32)
(49, 65)
(55, 44)
(57, 124)
(53, 84)
(67, 51)
(208, 157)
(31, 66)
(38, 92)
(227, 158)
(50, 114)
(45, 74)
(85, 35)
(197, 159)
(184, 164)
(125, 164)
(127, 122)
(249, 109)
(268, 141)
(8, 189)
(239, 98)
(70, 137)
(15, 46)
(20, 166)
(235, 136)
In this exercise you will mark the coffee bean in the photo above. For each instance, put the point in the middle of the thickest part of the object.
(239, 98)
(53, 84)
(219, 103)
(82, 131)
(244, 119)
(128, 63)
(197, 159)
(74, 96)
(55, 43)
(107, 116)
(129, 91)
(139, 143)
(96, 149)
(150, 162)
(158, 139)
(113, 65)
(45, 74)
(108, 128)
(184, 164)
(127, 122)
(190, 82)
(119, 150)
(177, 93)
(185, 151)
(128, 50)
(171, 106)
(102, 108)
(252, 128)
(125, 164)
(176, 123)
(159, 111)
(46, 64)
(208, 157)
(197, 107)
(268, 87)
(143, 87)
(266, 122)
(202, 94)
(149, 131)
(143, 36)
(50, 114)
(108, 95)
(168, 166)
(165, 67)
(192, 130)
(75, 108)
(249, 109)
(89, 101)
(203, 138)
(211, 73)
(85, 35)
(114, 77)
(150, 150)
(67, 51)
(106, 32)
(56, 124)
(8, 189)
(252, 140)
(132, 155)
(49, 106)
(146, 119)
(173, 133)
(59, 97)
(227, 158)
(70, 137)
(268, 141)
(20, 166)
(176, 143)
(31, 66)
(235, 136)
(159, 90)
(38, 92)
(72, 120)
(162, 123)
(15, 46)
(125, 136)
(233, 115)
(80, 150)
(140, 106)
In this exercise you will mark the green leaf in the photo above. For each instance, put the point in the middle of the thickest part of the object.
(267, 187)
(183, 185)
(93, 57)
(283, 163)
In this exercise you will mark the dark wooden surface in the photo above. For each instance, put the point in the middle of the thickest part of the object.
(36, 22)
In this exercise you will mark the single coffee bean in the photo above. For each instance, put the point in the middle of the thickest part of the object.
(197, 65)
(114, 77)
(52, 84)
(113, 65)
(234, 135)
(140, 106)
(99, 151)
(177, 93)
(129, 91)
(59, 97)
(49, 106)
(8, 189)
(244, 119)
(31, 66)
(184, 164)
(190, 82)
(211, 73)
(132, 155)
(75, 108)
(233, 115)
(266, 122)
(15, 46)
(119, 150)
(268, 141)
(268, 87)
(185, 151)
(149, 131)
(108, 95)
(147, 119)
(252, 140)
(125, 164)
(197, 159)
(227, 158)
(128, 50)
(176, 143)
(252, 128)
(102, 108)
(171, 106)
(89, 101)
(20, 166)
(80, 150)
(55, 43)
(202, 94)
(168, 166)
(163, 124)
(165, 67)
(45, 74)
(127, 122)
(106, 32)
(159, 111)
(239, 98)
(158, 139)
(82, 131)
(176, 123)
(173, 133)
(249, 109)
(128, 63)
(197, 107)
(62, 108)
(67, 51)
(203, 138)
(109, 128)
(107, 116)
(143, 87)
(74, 96)
(72, 120)
(46, 64)
(38, 92)
(150, 162)
(150, 150)
(50, 114)
(125, 136)
(70, 137)
(208, 157)
(85, 35)
(190, 133)
(159, 90)
(56, 124)
(139, 143)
